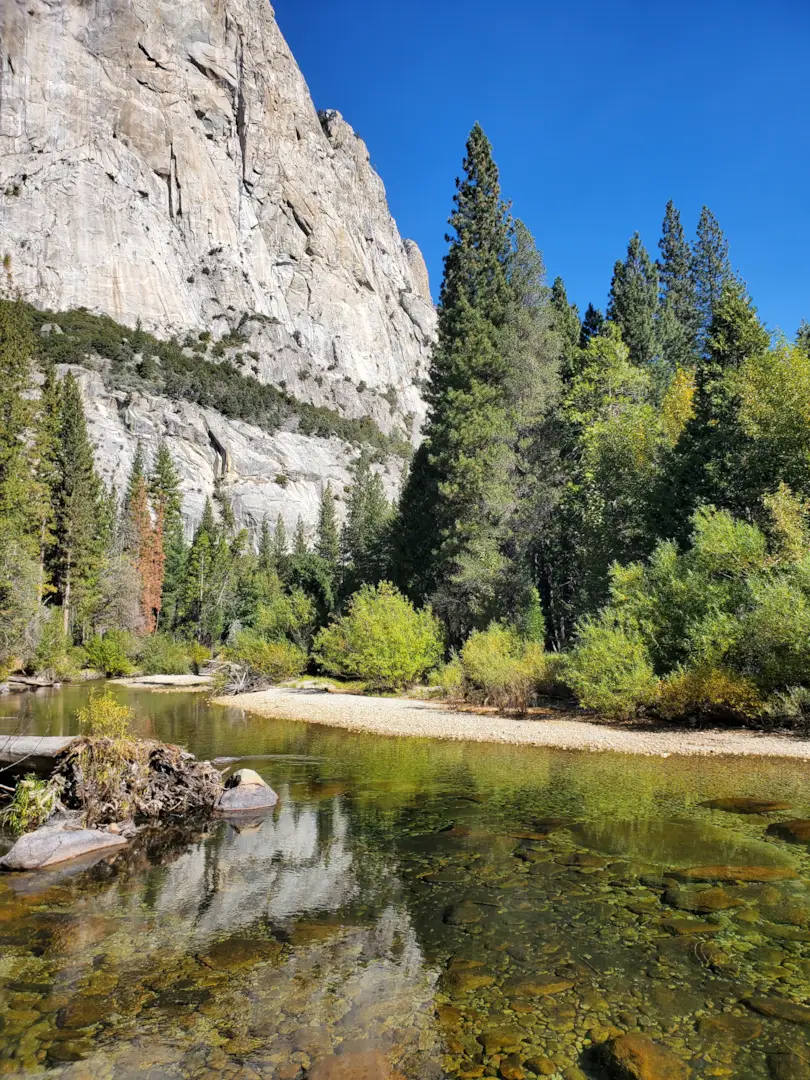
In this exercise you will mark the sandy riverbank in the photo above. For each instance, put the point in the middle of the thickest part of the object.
(401, 716)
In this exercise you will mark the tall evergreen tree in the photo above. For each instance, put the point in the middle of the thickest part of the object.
(455, 504)
(167, 504)
(803, 336)
(78, 535)
(678, 317)
(327, 542)
(711, 271)
(300, 544)
(566, 323)
(279, 542)
(365, 533)
(16, 419)
(592, 325)
(267, 563)
(634, 302)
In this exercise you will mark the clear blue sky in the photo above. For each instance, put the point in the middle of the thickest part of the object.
(598, 110)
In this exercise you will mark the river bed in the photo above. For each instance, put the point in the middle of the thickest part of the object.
(422, 909)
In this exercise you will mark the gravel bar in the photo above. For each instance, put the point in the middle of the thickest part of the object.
(423, 719)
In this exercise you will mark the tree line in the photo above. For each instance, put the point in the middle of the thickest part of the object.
(612, 504)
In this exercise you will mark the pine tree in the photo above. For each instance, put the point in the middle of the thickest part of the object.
(566, 323)
(678, 317)
(454, 507)
(16, 419)
(300, 543)
(365, 533)
(803, 337)
(78, 539)
(267, 563)
(634, 302)
(167, 504)
(149, 554)
(327, 543)
(711, 271)
(199, 572)
(591, 325)
(279, 542)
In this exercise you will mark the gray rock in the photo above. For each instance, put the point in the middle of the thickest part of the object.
(49, 328)
(171, 167)
(56, 844)
(246, 791)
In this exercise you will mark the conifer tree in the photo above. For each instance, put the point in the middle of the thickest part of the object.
(200, 575)
(592, 325)
(167, 504)
(457, 497)
(327, 542)
(634, 302)
(678, 317)
(16, 418)
(364, 537)
(711, 271)
(149, 552)
(566, 323)
(803, 337)
(267, 563)
(279, 542)
(300, 545)
(78, 539)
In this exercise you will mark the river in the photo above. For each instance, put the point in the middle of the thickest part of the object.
(433, 909)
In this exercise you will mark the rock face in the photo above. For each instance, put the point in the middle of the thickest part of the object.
(163, 161)
(283, 473)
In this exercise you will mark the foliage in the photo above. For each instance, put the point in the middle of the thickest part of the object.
(198, 656)
(290, 615)
(105, 717)
(382, 639)
(33, 802)
(110, 654)
(707, 692)
(162, 655)
(609, 670)
(273, 661)
(499, 667)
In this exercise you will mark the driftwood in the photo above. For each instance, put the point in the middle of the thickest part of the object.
(113, 780)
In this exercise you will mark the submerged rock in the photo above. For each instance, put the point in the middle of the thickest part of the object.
(736, 873)
(56, 844)
(787, 1065)
(780, 1009)
(795, 832)
(245, 790)
(637, 1057)
(700, 901)
(746, 806)
(361, 1065)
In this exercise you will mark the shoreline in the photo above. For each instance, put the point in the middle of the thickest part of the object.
(406, 717)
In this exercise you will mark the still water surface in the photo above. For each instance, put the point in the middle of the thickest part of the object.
(442, 909)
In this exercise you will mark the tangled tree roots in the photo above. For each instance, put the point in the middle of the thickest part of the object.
(112, 780)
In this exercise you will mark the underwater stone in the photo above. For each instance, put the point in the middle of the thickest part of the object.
(746, 806)
(780, 1009)
(795, 832)
(735, 873)
(363, 1065)
(637, 1057)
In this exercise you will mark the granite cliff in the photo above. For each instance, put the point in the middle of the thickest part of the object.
(162, 162)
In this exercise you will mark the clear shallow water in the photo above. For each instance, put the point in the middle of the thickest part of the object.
(460, 910)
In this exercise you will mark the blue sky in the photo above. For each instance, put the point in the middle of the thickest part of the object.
(598, 110)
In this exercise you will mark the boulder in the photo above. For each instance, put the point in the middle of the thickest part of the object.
(245, 791)
(637, 1057)
(735, 873)
(780, 1009)
(56, 844)
(359, 1065)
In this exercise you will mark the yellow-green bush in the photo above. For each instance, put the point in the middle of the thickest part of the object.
(499, 667)
(198, 656)
(449, 678)
(110, 654)
(104, 716)
(710, 692)
(271, 660)
(382, 640)
(162, 655)
(609, 671)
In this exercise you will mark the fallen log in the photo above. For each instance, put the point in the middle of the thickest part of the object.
(22, 754)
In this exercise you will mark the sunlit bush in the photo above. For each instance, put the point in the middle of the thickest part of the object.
(270, 660)
(710, 692)
(110, 654)
(104, 716)
(609, 670)
(161, 655)
(382, 640)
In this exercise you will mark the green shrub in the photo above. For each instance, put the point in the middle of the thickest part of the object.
(162, 655)
(500, 667)
(710, 692)
(382, 640)
(110, 654)
(773, 642)
(290, 615)
(790, 708)
(33, 802)
(449, 678)
(609, 670)
(198, 656)
(105, 717)
(54, 654)
(271, 660)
